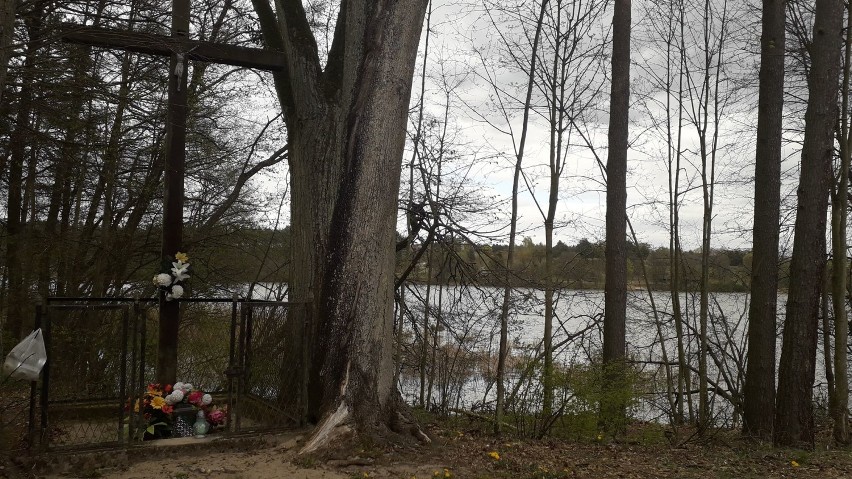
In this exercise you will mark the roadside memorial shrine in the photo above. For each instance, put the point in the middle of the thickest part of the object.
(126, 379)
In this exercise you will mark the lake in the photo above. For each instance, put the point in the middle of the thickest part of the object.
(468, 338)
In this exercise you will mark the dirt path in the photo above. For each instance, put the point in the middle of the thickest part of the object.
(457, 454)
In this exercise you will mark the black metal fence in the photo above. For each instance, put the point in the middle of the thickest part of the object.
(102, 355)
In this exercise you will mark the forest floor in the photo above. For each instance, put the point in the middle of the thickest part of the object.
(457, 452)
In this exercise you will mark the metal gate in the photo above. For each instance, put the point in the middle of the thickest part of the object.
(250, 355)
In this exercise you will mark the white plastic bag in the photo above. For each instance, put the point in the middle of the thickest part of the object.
(26, 359)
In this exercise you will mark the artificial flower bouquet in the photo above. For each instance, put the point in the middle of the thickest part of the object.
(173, 274)
(160, 406)
(155, 413)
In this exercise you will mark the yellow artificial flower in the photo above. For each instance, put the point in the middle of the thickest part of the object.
(182, 257)
(494, 455)
(158, 402)
(794, 463)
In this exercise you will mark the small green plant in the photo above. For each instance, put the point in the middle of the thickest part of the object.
(598, 400)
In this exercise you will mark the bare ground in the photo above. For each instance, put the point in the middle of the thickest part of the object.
(458, 452)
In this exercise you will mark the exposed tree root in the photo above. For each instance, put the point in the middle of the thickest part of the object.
(342, 425)
(405, 424)
(332, 427)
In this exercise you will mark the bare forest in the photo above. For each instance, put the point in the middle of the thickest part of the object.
(562, 220)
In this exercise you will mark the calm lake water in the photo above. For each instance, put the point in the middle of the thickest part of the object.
(470, 322)
(468, 339)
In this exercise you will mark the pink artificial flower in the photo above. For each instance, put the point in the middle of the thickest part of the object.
(216, 417)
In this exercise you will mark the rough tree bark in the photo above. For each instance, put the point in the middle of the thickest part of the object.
(794, 420)
(346, 132)
(615, 288)
(759, 389)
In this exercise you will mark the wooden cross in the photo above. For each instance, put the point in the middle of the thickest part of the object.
(180, 49)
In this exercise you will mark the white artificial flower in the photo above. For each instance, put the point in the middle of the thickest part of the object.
(206, 400)
(162, 279)
(174, 397)
(177, 386)
(179, 270)
(177, 291)
(187, 387)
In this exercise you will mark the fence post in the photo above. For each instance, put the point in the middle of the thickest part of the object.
(130, 394)
(241, 360)
(33, 385)
(232, 366)
(45, 378)
(125, 335)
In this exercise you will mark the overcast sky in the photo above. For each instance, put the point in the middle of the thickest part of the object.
(582, 197)
(463, 42)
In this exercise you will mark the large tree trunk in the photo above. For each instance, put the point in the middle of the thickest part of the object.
(346, 128)
(759, 389)
(615, 289)
(794, 421)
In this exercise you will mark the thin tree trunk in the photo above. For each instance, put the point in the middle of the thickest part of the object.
(507, 288)
(7, 28)
(18, 141)
(615, 288)
(794, 421)
(553, 199)
(433, 371)
(826, 340)
(839, 212)
(759, 388)
(104, 271)
(673, 165)
(684, 374)
(424, 335)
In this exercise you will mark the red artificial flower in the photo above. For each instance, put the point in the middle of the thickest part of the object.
(168, 388)
(195, 397)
